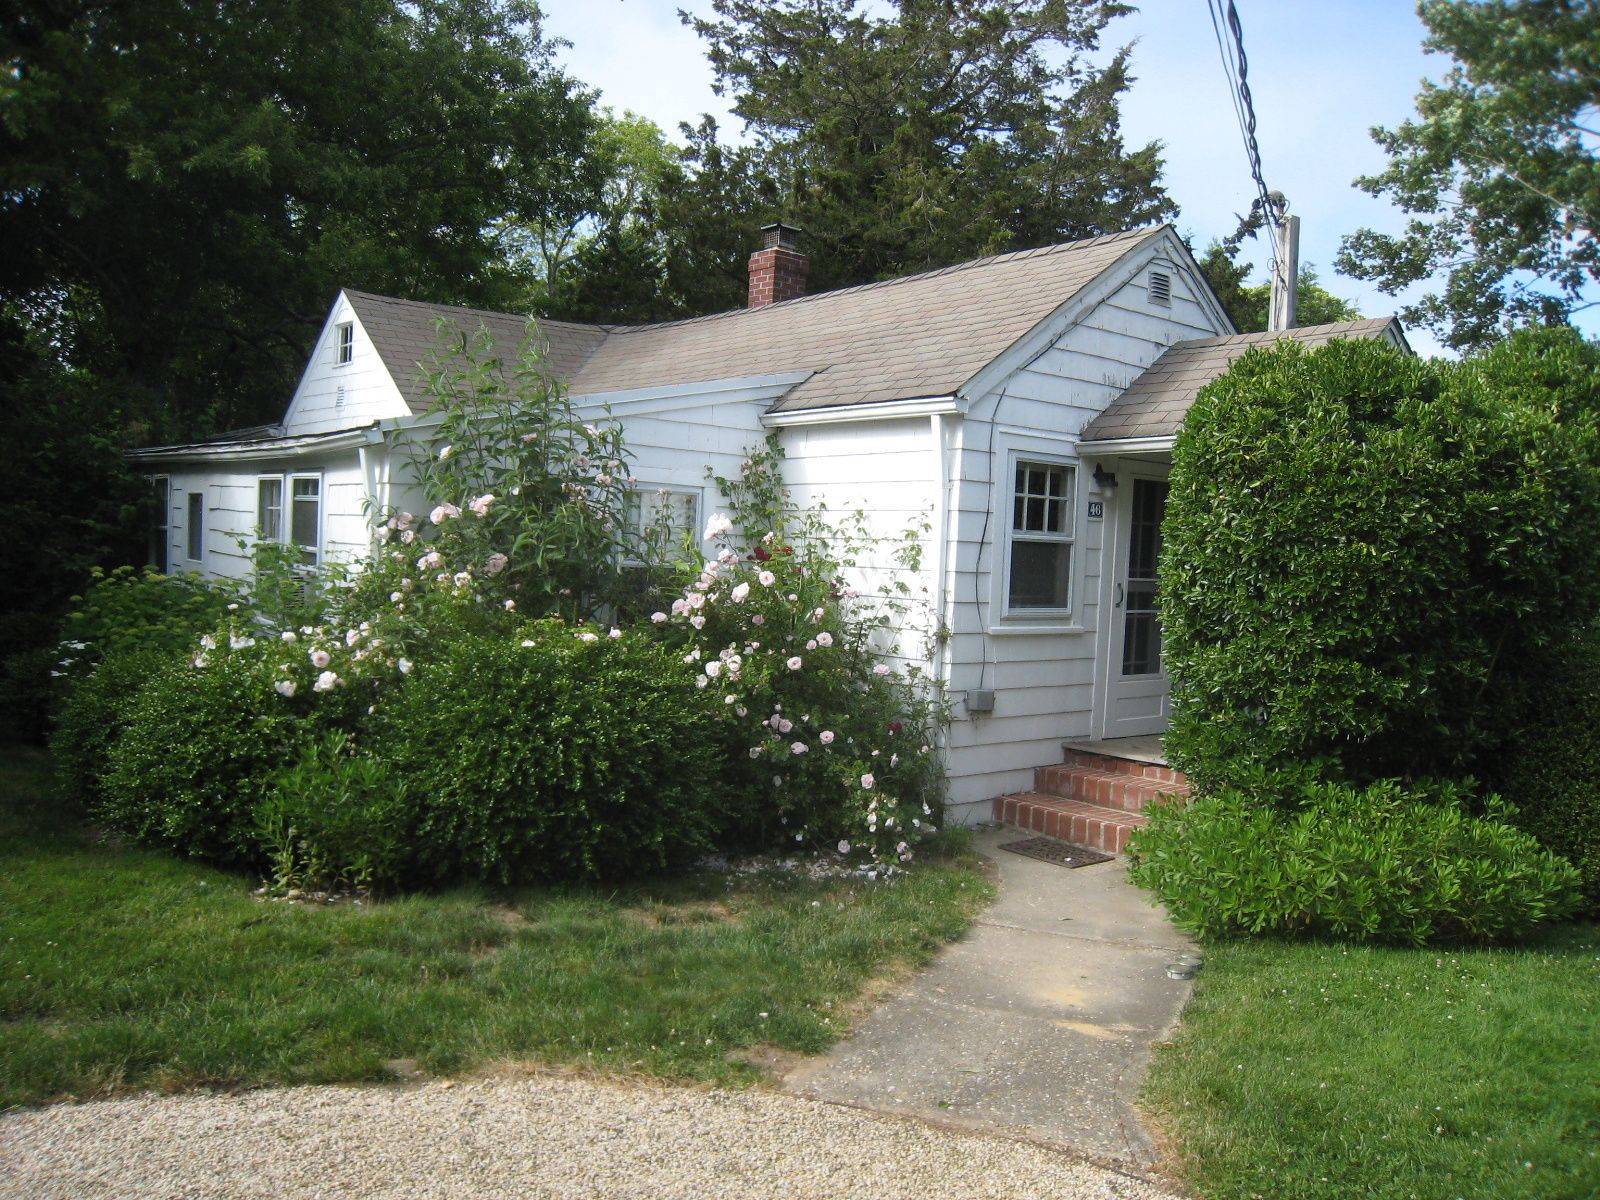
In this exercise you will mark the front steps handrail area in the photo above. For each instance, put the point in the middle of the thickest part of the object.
(1092, 798)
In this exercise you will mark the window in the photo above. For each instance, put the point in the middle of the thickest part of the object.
(269, 508)
(1039, 573)
(161, 488)
(345, 345)
(663, 518)
(196, 529)
(1161, 289)
(305, 517)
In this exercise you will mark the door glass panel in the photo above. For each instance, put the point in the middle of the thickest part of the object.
(1141, 622)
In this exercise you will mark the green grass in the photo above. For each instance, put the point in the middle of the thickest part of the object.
(124, 968)
(1319, 1071)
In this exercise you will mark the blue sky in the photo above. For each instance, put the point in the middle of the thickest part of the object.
(1322, 75)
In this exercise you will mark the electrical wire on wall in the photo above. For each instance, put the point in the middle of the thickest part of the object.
(982, 604)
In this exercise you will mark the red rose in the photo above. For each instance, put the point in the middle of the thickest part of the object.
(895, 726)
(760, 554)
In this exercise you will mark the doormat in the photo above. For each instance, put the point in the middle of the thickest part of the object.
(1049, 850)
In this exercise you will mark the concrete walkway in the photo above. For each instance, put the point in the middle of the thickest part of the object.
(1038, 1024)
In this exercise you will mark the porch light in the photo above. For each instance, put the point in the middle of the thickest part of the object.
(1104, 479)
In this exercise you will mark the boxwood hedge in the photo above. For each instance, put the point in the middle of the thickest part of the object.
(1364, 552)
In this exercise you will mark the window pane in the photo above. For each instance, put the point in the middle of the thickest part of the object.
(1039, 574)
(304, 518)
(196, 528)
(1041, 500)
(269, 509)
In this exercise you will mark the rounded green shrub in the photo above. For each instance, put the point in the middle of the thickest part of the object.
(1381, 863)
(127, 610)
(337, 819)
(1363, 552)
(198, 747)
(92, 715)
(554, 754)
(1551, 769)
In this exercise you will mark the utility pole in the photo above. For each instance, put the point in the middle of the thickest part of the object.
(1285, 264)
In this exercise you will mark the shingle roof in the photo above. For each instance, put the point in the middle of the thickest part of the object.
(405, 332)
(1155, 403)
(920, 335)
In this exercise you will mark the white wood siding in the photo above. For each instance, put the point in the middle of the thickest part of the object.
(332, 395)
(1043, 673)
(883, 470)
(230, 512)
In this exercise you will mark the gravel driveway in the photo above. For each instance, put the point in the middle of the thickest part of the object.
(540, 1137)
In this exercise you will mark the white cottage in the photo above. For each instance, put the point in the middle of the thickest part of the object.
(1024, 405)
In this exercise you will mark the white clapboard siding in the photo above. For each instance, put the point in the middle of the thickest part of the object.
(883, 470)
(230, 511)
(1043, 681)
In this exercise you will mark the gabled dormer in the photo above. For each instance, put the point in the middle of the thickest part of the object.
(346, 383)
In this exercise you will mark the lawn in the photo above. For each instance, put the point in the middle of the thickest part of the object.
(1318, 1071)
(131, 969)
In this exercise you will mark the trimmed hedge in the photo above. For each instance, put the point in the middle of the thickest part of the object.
(198, 746)
(1383, 864)
(551, 757)
(1551, 770)
(1364, 553)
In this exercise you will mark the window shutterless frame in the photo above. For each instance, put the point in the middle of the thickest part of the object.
(160, 531)
(269, 508)
(304, 524)
(1040, 521)
(195, 526)
(645, 506)
(344, 343)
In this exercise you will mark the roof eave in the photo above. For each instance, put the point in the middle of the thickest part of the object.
(260, 449)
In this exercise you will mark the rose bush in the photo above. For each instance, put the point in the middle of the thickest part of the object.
(825, 743)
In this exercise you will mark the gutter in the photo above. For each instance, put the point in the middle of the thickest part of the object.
(259, 451)
(880, 410)
(1130, 445)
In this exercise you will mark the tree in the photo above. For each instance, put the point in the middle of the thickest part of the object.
(941, 130)
(188, 184)
(674, 232)
(1251, 304)
(1498, 171)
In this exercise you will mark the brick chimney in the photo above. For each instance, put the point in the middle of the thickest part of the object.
(778, 270)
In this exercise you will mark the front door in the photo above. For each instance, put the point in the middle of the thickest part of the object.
(1137, 695)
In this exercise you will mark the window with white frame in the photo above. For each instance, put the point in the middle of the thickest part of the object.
(1039, 554)
(344, 343)
(305, 517)
(161, 489)
(196, 527)
(269, 508)
(662, 518)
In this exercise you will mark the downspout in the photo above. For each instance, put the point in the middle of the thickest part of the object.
(941, 541)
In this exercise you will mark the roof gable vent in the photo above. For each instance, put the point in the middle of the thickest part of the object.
(1161, 289)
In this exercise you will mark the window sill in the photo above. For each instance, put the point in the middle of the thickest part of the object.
(1036, 627)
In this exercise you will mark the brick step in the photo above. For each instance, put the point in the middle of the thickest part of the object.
(1108, 789)
(1120, 766)
(1104, 829)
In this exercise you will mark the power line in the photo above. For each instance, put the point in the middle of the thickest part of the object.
(1236, 68)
